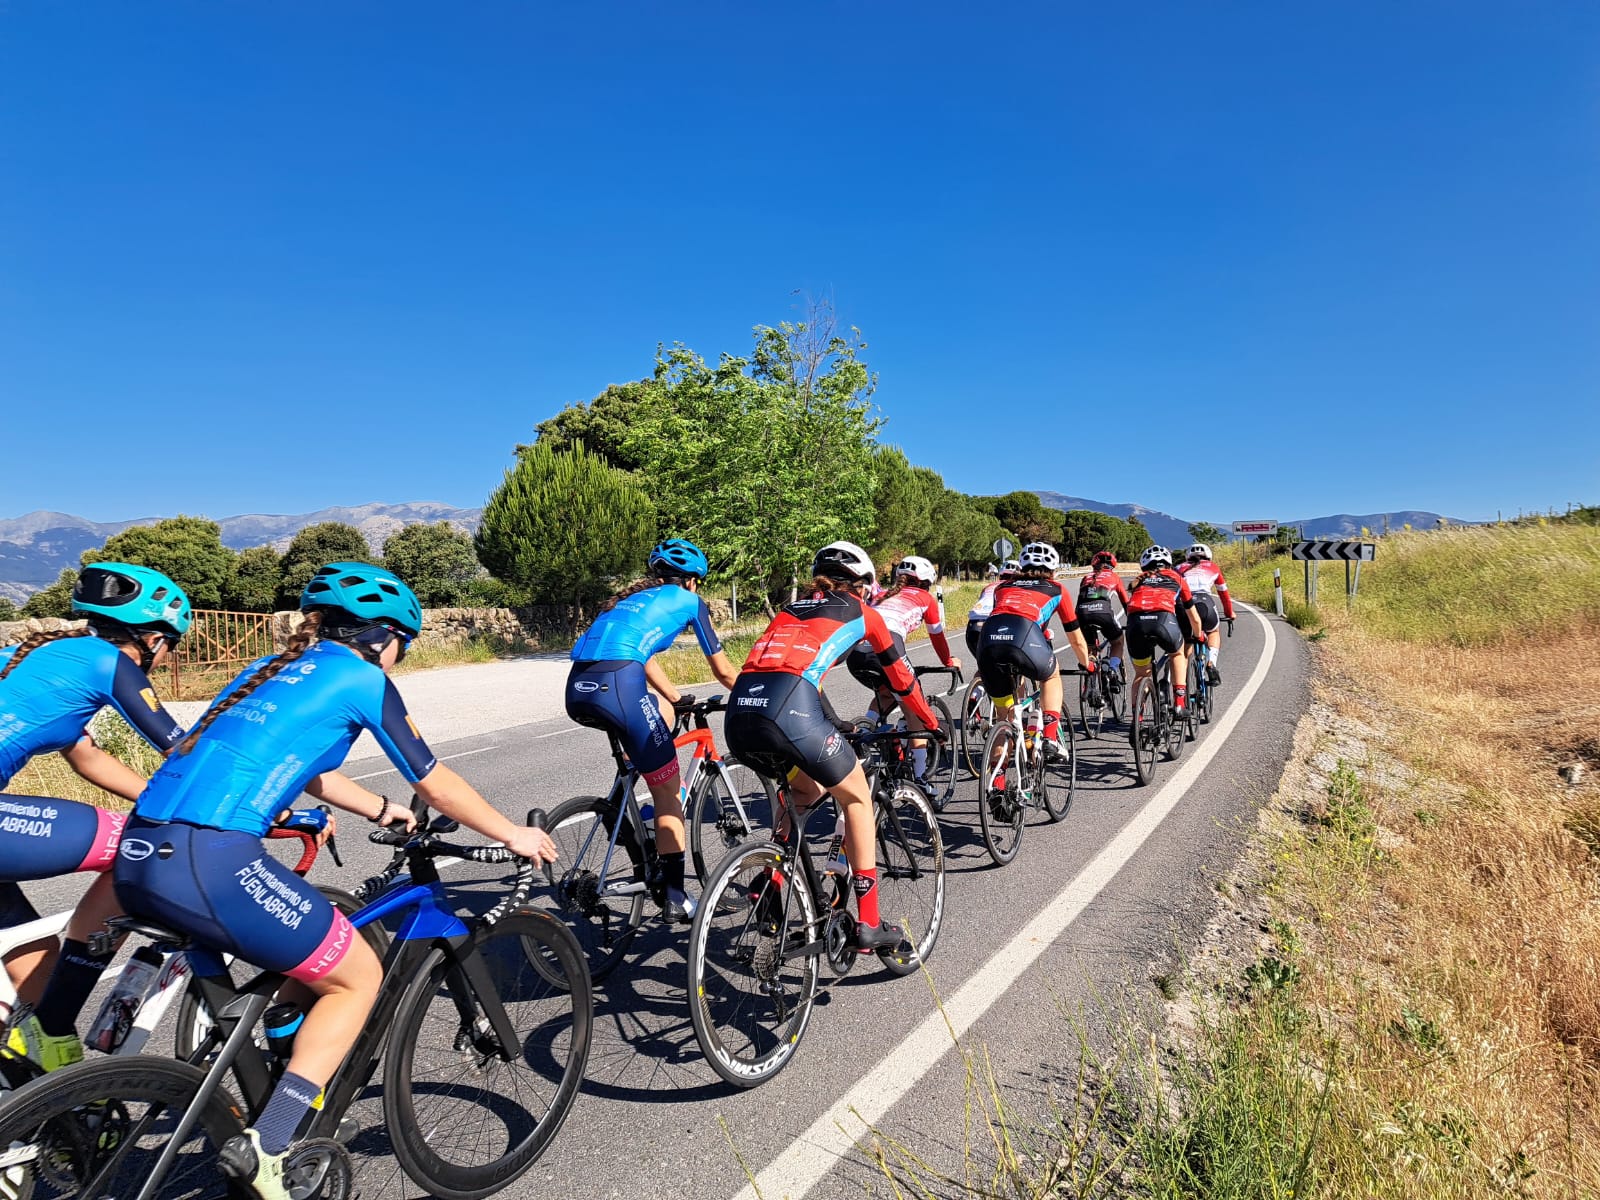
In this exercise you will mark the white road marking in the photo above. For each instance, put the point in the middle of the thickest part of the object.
(812, 1155)
(446, 758)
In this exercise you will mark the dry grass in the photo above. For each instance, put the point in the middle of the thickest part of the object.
(49, 774)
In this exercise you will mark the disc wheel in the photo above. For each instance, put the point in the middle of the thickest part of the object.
(730, 808)
(754, 952)
(1001, 808)
(467, 1113)
(910, 854)
(602, 903)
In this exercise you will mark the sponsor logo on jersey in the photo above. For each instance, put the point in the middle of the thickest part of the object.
(586, 685)
(148, 695)
(754, 688)
(833, 745)
(412, 725)
(136, 849)
(752, 701)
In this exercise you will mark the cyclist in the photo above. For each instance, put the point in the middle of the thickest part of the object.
(50, 686)
(1102, 608)
(616, 684)
(905, 604)
(983, 606)
(192, 858)
(1154, 601)
(1016, 639)
(779, 722)
(1205, 580)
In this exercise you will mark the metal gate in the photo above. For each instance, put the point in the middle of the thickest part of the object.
(217, 647)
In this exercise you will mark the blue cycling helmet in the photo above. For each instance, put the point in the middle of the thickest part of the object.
(681, 557)
(140, 597)
(367, 593)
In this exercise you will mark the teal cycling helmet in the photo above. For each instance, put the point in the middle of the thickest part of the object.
(138, 597)
(367, 593)
(680, 557)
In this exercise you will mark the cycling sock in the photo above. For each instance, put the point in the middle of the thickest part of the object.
(280, 1120)
(75, 974)
(672, 872)
(865, 884)
(1052, 725)
(919, 760)
(1180, 694)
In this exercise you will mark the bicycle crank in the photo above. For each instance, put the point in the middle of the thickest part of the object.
(839, 941)
(319, 1169)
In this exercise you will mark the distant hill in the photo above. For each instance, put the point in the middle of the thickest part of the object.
(1164, 528)
(36, 546)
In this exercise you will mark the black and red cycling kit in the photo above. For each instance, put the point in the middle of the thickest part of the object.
(1016, 637)
(1206, 582)
(902, 612)
(1153, 604)
(777, 718)
(1102, 603)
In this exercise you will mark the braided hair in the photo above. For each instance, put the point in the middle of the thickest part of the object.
(34, 640)
(299, 642)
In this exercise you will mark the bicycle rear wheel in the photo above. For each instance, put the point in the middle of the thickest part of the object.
(940, 771)
(754, 950)
(731, 807)
(1058, 781)
(1001, 810)
(1091, 714)
(1195, 698)
(113, 1116)
(603, 904)
(467, 1114)
(977, 718)
(1144, 729)
(910, 854)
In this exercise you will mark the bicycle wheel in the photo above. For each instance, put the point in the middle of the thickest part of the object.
(910, 853)
(194, 1019)
(731, 807)
(1144, 728)
(113, 1116)
(977, 718)
(1116, 696)
(940, 771)
(602, 903)
(1058, 781)
(1195, 697)
(466, 1113)
(1001, 808)
(754, 950)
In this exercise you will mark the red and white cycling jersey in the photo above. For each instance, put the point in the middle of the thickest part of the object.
(984, 605)
(912, 606)
(1206, 576)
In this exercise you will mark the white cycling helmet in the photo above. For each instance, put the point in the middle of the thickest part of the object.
(1039, 554)
(1155, 556)
(1197, 551)
(1010, 567)
(919, 568)
(844, 560)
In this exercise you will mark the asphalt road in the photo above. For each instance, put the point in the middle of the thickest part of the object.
(1068, 939)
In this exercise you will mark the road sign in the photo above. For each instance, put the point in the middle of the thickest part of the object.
(1003, 549)
(1333, 551)
(1255, 529)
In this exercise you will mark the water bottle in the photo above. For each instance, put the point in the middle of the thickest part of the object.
(116, 1016)
(838, 863)
(281, 1022)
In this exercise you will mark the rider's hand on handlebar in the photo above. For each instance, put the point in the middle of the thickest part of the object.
(532, 843)
(396, 815)
(953, 662)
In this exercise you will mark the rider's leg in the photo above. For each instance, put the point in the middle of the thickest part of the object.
(1180, 676)
(1213, 648)
(78, 969)
(1119, 651)
(28, 964)
(1050, 691)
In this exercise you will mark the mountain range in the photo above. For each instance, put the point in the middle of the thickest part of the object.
(36, 546)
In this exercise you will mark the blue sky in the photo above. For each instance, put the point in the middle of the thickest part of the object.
(274, 257)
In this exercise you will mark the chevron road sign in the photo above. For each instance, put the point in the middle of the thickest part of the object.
(1333, 551)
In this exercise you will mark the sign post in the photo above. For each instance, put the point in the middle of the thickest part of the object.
(1346, 552)
(1255, 529)
(1003, 549)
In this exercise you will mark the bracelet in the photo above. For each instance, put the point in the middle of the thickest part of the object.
(383, 811)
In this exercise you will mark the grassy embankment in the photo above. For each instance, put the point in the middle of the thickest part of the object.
(1422, 1017)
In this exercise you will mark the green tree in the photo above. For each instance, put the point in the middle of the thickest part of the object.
(8, 610)
(963, 531)
(1204, 531)
(257, 575)
(601, 424)
(314, 546)
(763, 460)
(189, 549)
(1025, 515)
(55, 600)
(438, 561)
(904, 499)
(565, 526)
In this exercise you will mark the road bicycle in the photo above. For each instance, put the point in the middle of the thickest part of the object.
(609, 865)
(482, 1056)
(977, 718)
(133, 1018)
(1103, 695)
(1018, 777)
(1155, 729)
(939, 770)
(1201, 689)
(769, 917)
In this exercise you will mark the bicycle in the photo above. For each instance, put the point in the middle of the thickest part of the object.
(442, 1024)
(133, 1019)
(601, 894)
(768, 917)
(977, 718)
(1016, 775)
(1155, 728)
(1200, 686)
(1101, 694)
(939, 770)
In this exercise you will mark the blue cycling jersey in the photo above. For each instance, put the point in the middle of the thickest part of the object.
(259, 755)
(645, 623)
(48, 700)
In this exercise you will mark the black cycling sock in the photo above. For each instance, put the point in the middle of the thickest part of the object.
(280, 1120)
(672, 871)
(76, 972)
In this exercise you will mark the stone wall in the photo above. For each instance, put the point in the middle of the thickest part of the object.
(16, 631)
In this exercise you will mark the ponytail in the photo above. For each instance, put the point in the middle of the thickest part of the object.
(35, 640)
(299, 642)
